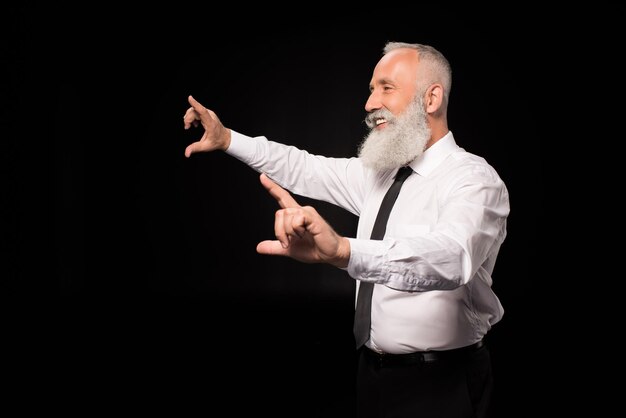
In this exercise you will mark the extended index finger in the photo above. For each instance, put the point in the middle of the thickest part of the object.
(284, 198)
(195, 104)
(204, 113)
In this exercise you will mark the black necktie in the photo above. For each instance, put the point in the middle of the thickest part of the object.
(364, 300)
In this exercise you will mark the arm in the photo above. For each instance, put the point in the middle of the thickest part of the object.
(340, 181)
(302, 233)
(459, 241)
(335, 180)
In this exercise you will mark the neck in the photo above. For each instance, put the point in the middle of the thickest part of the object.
(438, 129)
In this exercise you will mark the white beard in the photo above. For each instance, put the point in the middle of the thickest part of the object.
(400, 142)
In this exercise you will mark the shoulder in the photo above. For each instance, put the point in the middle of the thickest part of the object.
(464, 164)
(469, 174)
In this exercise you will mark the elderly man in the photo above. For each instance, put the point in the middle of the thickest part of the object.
(432, 218)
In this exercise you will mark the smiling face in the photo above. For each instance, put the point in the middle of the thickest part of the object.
(394, 83)
(397, 118)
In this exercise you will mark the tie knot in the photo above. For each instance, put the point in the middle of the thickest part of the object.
(403, 173)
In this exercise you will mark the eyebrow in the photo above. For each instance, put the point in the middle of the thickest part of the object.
(381, 81)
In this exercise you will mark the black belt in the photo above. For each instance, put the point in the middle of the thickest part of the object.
(419, 357)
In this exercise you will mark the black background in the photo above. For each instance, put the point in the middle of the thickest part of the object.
(130, 273)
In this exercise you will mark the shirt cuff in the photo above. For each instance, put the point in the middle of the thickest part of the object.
(365, 261)
(241, 146)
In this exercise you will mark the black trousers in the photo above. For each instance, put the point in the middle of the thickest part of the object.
(458, 388)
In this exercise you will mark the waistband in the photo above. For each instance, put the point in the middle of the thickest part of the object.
(419, 357)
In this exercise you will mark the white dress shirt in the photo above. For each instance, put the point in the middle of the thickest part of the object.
(433, 268)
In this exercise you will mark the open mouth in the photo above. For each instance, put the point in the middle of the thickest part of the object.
(380, 121)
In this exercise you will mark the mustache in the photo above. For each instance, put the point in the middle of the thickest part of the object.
(370, 119)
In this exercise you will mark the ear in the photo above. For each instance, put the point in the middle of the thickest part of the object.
(433, 98)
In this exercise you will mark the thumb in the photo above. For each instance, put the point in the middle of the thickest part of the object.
(191, 148)
(269, 247)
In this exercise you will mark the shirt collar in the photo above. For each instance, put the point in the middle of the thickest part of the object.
(433, 156)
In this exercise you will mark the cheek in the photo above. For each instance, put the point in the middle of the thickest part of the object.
(397, 105)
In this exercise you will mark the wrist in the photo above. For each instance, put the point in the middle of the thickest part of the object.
(226, 140)
(342, 258)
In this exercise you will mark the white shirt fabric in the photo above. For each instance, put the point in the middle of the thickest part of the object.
(433, 270)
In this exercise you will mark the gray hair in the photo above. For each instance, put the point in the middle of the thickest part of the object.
(437, 67)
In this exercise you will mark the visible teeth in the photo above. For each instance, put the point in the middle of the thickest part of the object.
(379, 121)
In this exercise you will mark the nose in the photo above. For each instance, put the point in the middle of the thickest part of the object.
(373, 102)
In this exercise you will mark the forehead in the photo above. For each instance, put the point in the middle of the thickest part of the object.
(399, 65)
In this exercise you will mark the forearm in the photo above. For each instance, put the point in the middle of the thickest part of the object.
(419, 264)
(335, 180)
